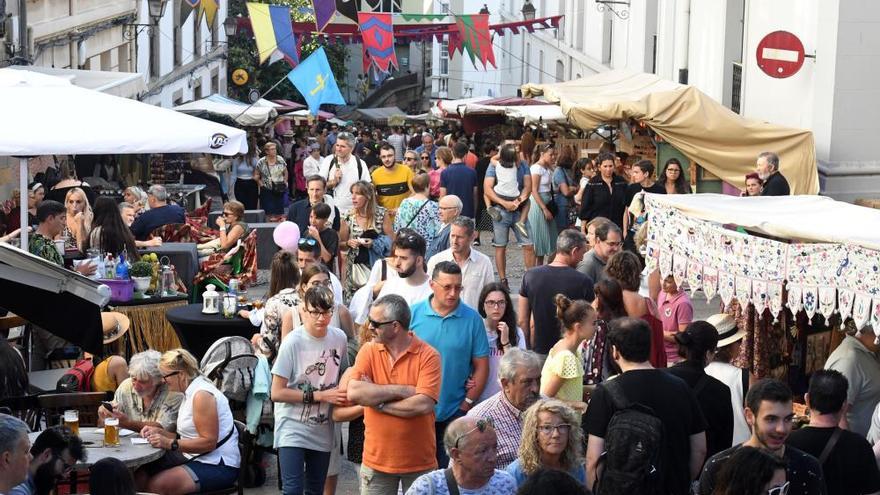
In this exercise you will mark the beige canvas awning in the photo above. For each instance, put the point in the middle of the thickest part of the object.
(722, 142)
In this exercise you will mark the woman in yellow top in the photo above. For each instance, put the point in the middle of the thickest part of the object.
(562, 376)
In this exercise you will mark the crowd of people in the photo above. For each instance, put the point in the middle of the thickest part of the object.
(386, 316)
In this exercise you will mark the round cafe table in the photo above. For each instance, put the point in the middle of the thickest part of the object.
(197, 331)
(132, 455)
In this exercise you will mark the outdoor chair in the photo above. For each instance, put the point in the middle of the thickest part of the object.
(26, 408)
(245, 447)
(54, 405)
(201, 211)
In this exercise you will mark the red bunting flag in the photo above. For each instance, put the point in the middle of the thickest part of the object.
(377, 32)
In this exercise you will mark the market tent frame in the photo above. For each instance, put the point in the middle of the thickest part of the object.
(724, 143)
(219, 107)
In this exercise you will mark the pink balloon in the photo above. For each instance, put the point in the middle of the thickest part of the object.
(286, 236)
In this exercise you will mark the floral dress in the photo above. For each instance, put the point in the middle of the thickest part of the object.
(426, 222)
(359, 255)
(273, 313)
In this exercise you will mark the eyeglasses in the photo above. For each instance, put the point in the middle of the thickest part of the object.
(548, 430)
(496, 304)
(317, 314)
(450, 287)
(169, 375)
(307, 241)
(227, 213)
(779, 490)
(481, 426)
(376, 324)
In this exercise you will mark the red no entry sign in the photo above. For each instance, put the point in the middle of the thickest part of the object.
(780, 54)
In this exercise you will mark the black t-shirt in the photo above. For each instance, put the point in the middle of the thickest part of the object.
(850, 469)
(714, 400)
(633, 189)
(803, 472)
(673, 402)
(776, 185)
(330, 240)
(540, 285)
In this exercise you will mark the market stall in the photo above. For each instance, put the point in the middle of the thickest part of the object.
(800, 265)
(723, 143)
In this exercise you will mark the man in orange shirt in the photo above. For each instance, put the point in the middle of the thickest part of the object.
(396, 377)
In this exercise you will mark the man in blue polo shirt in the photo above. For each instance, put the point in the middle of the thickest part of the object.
(456, 331)
(460, 180)
(160, 213)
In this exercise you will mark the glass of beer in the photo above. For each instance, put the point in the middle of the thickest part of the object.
(111, 432)
(71, 420)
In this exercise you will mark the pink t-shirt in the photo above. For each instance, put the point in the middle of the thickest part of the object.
(674, 310)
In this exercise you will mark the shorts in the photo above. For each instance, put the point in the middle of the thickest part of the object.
(211, 477)
(501, 230)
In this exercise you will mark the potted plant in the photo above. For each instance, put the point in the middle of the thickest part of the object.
(141, 273)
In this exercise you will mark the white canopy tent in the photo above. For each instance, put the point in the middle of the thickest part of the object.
(529, 114)
(91, 122)
(242, 113)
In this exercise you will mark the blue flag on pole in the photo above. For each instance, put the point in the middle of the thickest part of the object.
(314, 79)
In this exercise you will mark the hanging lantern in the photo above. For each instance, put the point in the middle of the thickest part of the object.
(210, 300)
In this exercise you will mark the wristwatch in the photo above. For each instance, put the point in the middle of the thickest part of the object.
(469, 401)
(381, 406)
(175, 445)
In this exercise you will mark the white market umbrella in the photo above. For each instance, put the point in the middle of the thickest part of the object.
(91, 122)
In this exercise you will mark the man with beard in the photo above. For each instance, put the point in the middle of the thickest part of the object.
(54, 453)
(519, 372)
(408, 259)
(775, 183)
(769, 414)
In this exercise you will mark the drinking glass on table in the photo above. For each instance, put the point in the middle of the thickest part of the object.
(71, 420)
(111, 432)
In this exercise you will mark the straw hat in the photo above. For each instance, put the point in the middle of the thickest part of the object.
(728, 332)
(115, 326)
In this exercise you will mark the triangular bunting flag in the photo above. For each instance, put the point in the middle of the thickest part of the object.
(324, 11)
(273, 31)
(423, 17)
(378, 35)
(186, 8)
(315, 81)
(475, 37)
(348, 8)
(209, 8)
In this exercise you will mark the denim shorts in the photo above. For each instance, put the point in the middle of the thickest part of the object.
(211, 477)
(501, 230)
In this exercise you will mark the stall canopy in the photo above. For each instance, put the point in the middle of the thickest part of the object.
(217, 107)
(478, 113)
(826, 265)
(379, 115)
(722, 142)
(30, 285)
(124, 84)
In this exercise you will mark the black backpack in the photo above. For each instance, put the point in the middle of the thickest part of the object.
(632, 461)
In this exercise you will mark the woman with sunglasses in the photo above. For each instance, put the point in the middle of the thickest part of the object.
(551, 439)
(752, 471)
(231, 228)
(499, 316)
(542, 222)
(205, 429)
(305, 380)
(673, 178)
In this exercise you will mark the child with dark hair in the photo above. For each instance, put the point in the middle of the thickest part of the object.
(328, 239)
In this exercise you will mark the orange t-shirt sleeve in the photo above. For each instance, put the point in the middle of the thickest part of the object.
(362, 364)
(429, 376)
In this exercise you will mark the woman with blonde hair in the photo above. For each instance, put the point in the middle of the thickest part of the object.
(563, 372)
(78, 222)
(365, 222)
(204, 427)
(551, 439)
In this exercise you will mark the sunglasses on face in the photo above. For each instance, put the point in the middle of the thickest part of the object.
(376, 324)
(779, 490)
(425, 157)
(481, 426)
(169, 375)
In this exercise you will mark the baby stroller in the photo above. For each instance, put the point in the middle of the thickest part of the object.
(231, 364)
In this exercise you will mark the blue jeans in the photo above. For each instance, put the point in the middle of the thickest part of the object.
(501, 230)
(303, 471)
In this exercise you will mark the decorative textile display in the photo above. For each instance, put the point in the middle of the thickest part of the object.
(273, 31)
(474, 34)
(314, 79)
(208, 10)
(324, 12)
(186, 8)
(820, 278)
(378, 35)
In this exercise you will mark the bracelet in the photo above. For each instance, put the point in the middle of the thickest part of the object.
(505, 344)
(309, 396)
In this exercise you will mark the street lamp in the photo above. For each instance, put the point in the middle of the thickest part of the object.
(528, 11)
(156, 9)
(230, 25)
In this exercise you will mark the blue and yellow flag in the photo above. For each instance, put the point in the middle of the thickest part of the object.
(273, 31)
(314, 79)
